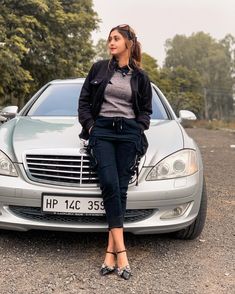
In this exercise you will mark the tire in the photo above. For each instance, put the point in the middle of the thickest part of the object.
(194, 230)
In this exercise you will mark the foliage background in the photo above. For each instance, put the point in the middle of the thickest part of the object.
(41, 40)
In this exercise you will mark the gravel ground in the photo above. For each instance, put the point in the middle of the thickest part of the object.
(56, 262)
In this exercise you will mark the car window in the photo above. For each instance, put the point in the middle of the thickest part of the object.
(57, 100)
(159, 111)
(62, 100)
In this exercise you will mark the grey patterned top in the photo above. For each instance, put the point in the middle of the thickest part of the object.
(117, 97)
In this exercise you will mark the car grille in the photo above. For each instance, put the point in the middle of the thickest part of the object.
(71, 170)
(65, 170)
(34, 213)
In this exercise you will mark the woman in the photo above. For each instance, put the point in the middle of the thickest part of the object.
(114, 110)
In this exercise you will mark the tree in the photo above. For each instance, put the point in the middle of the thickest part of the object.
(101, 50)
(150, 65)
(229, 44)
(51, 39)
(15, 80)
(180, 85)
(183, 89)
(212, 61)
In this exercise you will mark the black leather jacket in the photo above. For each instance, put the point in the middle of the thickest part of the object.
(92, 95)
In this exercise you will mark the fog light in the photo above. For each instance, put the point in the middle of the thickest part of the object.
(176, 211)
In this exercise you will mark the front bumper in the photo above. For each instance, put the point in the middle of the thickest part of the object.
(158, 196)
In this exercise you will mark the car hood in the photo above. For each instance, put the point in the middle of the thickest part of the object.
(48, 133)
(165, 137)
(29, 134)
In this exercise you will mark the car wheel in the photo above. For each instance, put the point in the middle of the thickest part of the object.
(194, 230)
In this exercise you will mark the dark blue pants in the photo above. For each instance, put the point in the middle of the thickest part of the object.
(115, 155)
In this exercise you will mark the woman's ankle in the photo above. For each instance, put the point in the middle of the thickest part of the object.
(110, 249)
(122, 260)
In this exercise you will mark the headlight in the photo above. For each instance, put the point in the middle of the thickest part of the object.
(7, 167)
(180, 164)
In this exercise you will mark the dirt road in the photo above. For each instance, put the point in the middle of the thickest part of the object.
(51, 262)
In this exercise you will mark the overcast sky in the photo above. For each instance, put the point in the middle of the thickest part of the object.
(157, 20)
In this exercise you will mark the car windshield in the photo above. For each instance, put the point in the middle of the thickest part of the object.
(62, 100)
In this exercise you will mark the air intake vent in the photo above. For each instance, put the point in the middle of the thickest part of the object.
(35, 214)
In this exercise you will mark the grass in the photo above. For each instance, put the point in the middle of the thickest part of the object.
(210, 124)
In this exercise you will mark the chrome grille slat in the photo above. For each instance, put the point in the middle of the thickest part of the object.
(87, 173)
(50, 164)
(54, 176)
(53, 159)
(83, 178)
(56, 170)
(61, 177)
(33, 170)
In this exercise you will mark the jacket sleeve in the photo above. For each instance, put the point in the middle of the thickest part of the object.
(145, 104)
(84, 104)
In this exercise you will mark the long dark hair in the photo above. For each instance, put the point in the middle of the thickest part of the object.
(132, 44)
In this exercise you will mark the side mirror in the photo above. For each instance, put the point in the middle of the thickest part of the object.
(9, 112)
(186, 115)
(2, 119)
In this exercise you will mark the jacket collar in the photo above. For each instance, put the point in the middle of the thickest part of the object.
(113, 64)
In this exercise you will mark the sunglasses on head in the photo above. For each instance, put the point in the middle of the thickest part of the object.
(126, 28)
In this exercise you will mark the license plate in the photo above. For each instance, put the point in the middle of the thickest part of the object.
(72, 205)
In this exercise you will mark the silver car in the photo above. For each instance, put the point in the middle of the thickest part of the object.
(46, 181)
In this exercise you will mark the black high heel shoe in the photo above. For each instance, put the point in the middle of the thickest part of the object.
(106, 269)
(124, 272)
